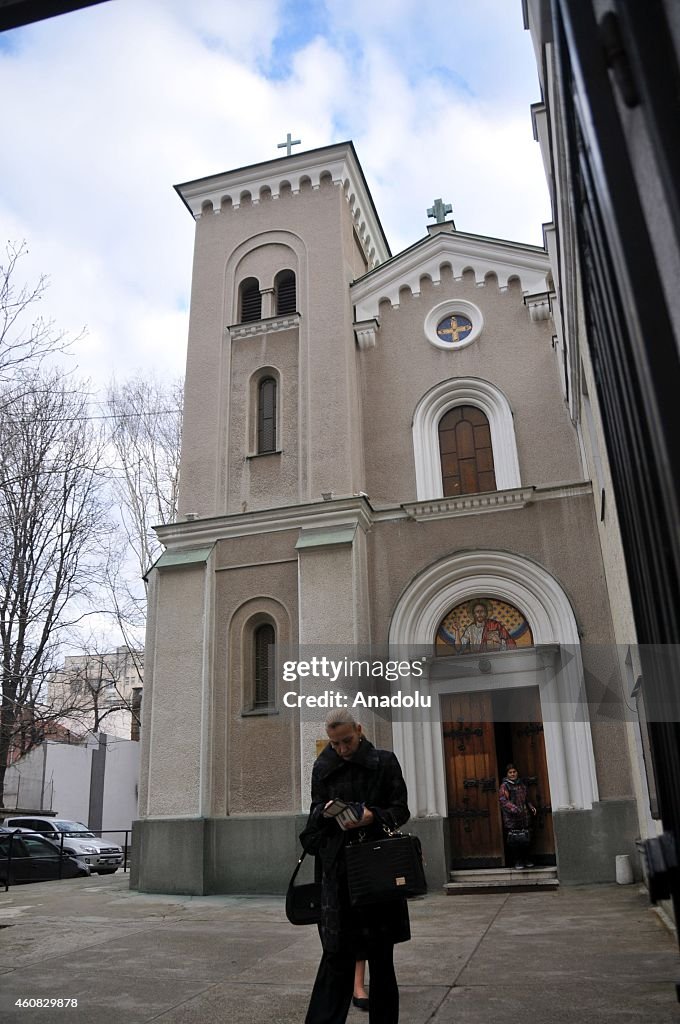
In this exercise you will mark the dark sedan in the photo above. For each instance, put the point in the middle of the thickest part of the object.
(35, 859)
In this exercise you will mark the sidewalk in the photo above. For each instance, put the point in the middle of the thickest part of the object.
(582, 955)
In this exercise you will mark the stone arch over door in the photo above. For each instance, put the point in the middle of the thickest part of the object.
(421, 607)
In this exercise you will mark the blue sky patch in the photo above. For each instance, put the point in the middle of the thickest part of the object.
(10, 42)
(453, 80)
(301, 21)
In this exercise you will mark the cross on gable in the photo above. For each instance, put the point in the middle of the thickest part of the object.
(288, 144)
(439, 210)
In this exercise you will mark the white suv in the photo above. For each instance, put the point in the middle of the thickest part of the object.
(103, 857)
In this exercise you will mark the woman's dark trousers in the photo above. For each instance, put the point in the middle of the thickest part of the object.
(334, 985)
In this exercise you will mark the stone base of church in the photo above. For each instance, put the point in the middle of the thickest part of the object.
(587, 842)
(247, 854)
(256, 854)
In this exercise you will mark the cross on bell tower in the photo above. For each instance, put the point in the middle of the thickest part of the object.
(288, 144)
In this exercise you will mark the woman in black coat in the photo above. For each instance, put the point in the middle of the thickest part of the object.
(350, 768)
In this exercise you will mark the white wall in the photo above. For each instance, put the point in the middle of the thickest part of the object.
(24, 784)
(69, 769)
(57, 777)
(121, 783)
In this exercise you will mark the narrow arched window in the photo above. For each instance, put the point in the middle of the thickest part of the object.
(264, 639)
(250, 300)
(465, 452)
(266, 415)
(284, 285)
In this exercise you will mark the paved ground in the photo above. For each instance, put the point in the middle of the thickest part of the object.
(585, 955)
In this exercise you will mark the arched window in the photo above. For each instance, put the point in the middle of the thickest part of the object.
(465, 451)
(266, 416)
(264, 639)
(250, 300)
(431, 409)
(286, 299)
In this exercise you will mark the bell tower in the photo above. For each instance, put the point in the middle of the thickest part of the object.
(271, 415)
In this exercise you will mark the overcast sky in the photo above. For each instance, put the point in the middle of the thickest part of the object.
(105, 109)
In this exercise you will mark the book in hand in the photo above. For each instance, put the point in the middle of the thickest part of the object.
(344, 813)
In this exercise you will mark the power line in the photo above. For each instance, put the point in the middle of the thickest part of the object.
(102, 416)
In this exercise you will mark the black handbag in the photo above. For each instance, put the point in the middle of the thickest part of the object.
(519, 837)
(303, 902)
(383, 869)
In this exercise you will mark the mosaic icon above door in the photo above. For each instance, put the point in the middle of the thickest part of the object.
(482, 624)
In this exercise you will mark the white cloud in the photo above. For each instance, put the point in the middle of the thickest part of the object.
(481, 45)
(112, 105)
(246, 30)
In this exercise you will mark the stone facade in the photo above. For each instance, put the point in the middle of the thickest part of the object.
(340, 535)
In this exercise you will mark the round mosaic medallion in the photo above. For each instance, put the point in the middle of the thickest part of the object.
(454, 329)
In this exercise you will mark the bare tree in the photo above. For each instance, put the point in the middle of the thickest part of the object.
(25, 336)
(58, 560)
(142, 433)
(146, 425)
(52, 522)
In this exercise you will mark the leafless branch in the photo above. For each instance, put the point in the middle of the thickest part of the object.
(25, 336)
(52, 519)
(145, 432)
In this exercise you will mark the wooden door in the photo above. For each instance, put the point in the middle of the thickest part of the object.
(528, 753)
(476, 834)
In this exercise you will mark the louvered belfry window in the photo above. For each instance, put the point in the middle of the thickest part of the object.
(266, 416)
(465, 451)
(286, 299)
(264, 640)
(251, 300)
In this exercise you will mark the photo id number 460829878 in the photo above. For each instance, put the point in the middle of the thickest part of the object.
(45, 1003)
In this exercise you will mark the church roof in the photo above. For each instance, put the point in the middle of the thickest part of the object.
(459, 250)
(339, 162)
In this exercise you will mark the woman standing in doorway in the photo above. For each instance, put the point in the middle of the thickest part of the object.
(517, 811)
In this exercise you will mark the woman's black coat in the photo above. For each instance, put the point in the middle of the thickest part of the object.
(372, 777)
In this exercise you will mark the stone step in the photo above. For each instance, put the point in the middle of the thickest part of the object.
(494, 880)
(481, 888)
(497, 875)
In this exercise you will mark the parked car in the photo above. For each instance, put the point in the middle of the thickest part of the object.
(35, 859)
(102, 856)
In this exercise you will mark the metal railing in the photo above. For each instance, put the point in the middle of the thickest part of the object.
(18, 834)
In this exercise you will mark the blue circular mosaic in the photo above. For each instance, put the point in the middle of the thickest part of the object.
(454, 329)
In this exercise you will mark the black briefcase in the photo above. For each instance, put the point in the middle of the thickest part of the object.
(384, 869)
(303, 902)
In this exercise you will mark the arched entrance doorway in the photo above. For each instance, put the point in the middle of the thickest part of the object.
(479, 741)
(502, 681)
(485, 729)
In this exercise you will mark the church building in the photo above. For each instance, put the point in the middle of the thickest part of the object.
(378, 465)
